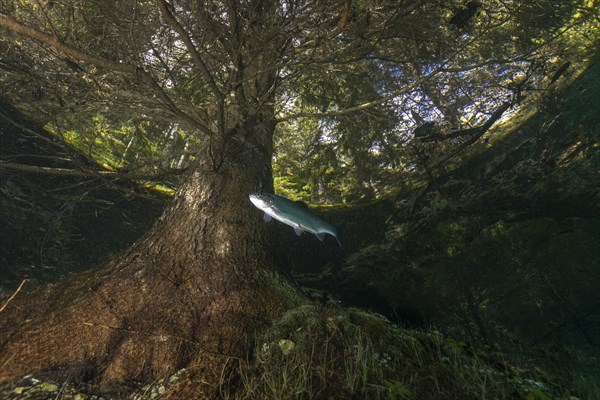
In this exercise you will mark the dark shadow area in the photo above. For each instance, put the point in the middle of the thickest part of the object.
(58, 213)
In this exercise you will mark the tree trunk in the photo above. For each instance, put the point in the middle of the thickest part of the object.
(191, 293)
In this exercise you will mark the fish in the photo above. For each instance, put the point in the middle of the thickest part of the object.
(294, 214)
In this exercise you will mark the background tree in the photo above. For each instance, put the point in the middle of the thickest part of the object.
(194, 289)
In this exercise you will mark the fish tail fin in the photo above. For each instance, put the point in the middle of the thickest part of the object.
(340, 243)
(336, 235)
(330, 230)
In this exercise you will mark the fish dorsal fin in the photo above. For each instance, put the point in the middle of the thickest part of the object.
(267, 217)
(320, 236)
(301, 204)
(298, 231)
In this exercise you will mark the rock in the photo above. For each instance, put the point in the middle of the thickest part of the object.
(48, 387)
(286, 346)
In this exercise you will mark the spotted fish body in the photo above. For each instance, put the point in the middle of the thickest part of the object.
(292, 213)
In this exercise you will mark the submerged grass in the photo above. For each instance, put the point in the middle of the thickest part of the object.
(320, 353)
(314, 353)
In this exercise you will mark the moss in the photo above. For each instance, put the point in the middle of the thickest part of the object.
(378, 327)
(286, 296)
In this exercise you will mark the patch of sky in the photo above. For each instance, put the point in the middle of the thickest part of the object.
(427, 69)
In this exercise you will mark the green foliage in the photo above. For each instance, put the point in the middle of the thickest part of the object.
(139, 147)
(367, 153)
(347, 97)
(504, 250)
(508, 241)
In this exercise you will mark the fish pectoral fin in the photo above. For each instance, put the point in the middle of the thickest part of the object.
(298, 231)
(320, 236)
(267, 217)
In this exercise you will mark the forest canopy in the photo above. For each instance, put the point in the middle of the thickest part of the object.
(402, 112)
(141, 90)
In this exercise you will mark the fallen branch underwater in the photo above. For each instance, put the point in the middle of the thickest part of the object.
(13, 295)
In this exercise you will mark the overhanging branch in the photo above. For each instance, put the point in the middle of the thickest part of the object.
(185, 37)
(37, 169)
(362, 106)
(341, 24)
(15, 26)
(32, 33)
(482, 130)
(174, 23)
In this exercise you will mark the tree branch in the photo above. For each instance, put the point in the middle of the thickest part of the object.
(32, 33)
(174, 23)
(417, 83)
(339, 28)
(362, 106)
(410, 8)
(435, 137)
(13, 295)
(36, 169)
(17, 27)
(482, 129)
(236, 54)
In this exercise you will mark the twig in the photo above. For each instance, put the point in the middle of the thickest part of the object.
(13, 295)
(62, 388)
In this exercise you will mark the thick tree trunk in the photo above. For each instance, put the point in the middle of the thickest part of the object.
(190, 293)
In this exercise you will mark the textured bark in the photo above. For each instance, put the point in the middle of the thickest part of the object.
(190, 293)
